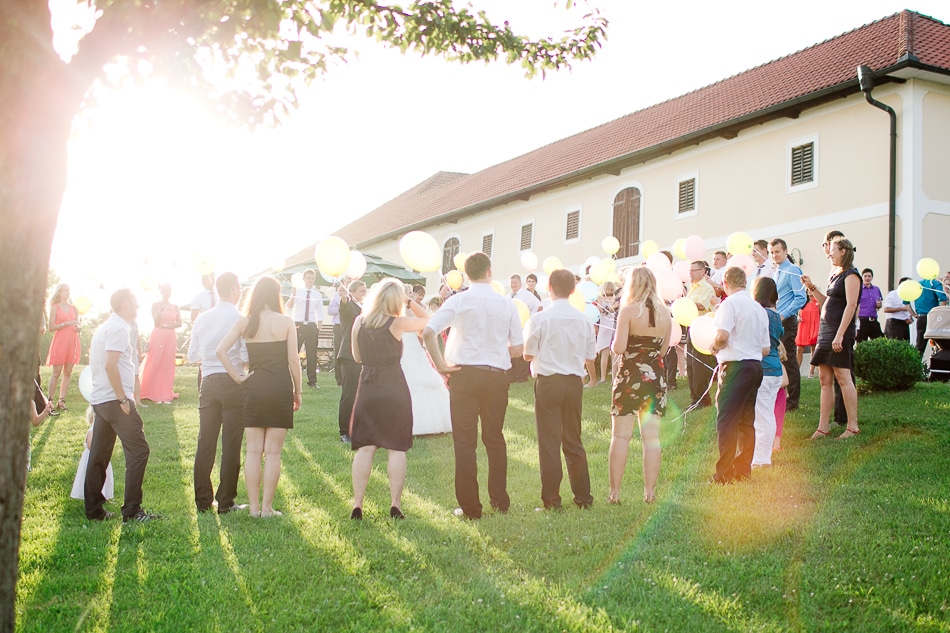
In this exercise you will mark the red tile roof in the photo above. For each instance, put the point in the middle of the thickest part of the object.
(793, 82)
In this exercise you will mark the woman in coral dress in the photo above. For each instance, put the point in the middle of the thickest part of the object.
(64, 350)
(807, 335)
(158, 370)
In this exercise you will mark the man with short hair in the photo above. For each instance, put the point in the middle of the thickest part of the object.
(220, 399)
(333, 309)
(791, 299)
(306, 304)
(900, 314)
(485, 335)
(742, 339)
(699, 366)
(557, 342)
(760, 253)
(519, 368)
(113, 384)
(718, 267)
(869, 328)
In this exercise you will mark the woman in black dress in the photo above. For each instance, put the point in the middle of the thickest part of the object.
(382, 413)
(834, 351)
(272, 389)
(639, 386)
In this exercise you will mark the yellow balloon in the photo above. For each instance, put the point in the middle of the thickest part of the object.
(928, 268)
(497, 287)
(551, 264)
(577, 299)
(148, 282)
(614, 278)
(453, 279)
(598, 273)
(685, 311)
(83, 304)
(523, 311)
(332, 256)
(610, 245)
(679, 248)
(648, 248)
(459, 260)
(420, 251)
(203, 263)
(739, 243)
(610, 264)
(910, 290)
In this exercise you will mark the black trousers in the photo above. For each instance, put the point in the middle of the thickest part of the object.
(337, 337)
(671, 365)
(220, 412)
(792, 367)
(479, 394)
(870, 329)
(921, 328)
(897, 329)
(111, 422)
(699, 371)
(558, 402)
(738, 383)
(349, 371)
(309, 335)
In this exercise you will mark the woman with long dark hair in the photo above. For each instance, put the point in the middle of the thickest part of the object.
(272, 388)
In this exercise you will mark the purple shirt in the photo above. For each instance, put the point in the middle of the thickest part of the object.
(868, 304)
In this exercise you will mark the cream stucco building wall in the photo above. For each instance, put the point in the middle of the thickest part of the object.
(742, 186)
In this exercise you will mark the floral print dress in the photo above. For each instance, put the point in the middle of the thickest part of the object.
(640, 383)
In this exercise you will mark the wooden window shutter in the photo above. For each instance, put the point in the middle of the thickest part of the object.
(527, 232)
(573, 230)
(487, 243)
(687, 195)
(803, 164)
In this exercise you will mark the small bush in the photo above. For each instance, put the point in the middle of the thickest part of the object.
(888, 365)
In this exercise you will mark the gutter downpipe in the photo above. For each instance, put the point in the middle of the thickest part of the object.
(866, 82)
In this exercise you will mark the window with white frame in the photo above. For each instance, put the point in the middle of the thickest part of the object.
(687, 194)
(572, 225)
(801, 168)
(527, 236)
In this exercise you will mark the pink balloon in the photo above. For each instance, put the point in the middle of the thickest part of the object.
(657, 262)
(702, 333)
(669, 285)
(676, 332)
(745, 262)
(695, 247)
(681, 268)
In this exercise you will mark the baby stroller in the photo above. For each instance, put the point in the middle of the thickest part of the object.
(938, 331)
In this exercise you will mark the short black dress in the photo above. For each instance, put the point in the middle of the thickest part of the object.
(269, 389)
(640, 380)
(831, 313)
(382, 413)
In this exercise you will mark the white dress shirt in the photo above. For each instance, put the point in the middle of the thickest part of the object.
(484, 323)
(716, 274)
(747, 324)
(209, 329)
(893, 300)
(205, 300)
(300, 306)
(529, 300)
(560, 339)
(333, 309)
(111, 336)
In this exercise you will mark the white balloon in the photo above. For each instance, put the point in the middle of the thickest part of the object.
(530, 261)
(85, 384)
(357, 267)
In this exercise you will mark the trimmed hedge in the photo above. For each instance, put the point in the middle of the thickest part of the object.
(888, 365)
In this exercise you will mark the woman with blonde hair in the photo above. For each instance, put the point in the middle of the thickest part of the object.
(834, 351)
(272, 388)
(65, 349)
(382, 413)
(639, 386)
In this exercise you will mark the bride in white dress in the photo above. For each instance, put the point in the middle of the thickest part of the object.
(430, 396)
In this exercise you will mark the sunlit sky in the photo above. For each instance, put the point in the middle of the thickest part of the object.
(155, 181)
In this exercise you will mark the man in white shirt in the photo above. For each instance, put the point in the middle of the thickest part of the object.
(113, 384)
(306, 305)
(557, 342)
(220, 399)
(699, 366)
(718, 268)
(899, 315)
(519, 368)
(742, 339)
(333, 309)
(206, 299)
(763, 264)
(485, 336)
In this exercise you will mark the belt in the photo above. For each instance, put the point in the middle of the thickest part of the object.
(868, 318)
(304, 323)
(486, 368)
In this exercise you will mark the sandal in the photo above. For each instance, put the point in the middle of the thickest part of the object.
(61, 404)
(818, 434)
(848, 433)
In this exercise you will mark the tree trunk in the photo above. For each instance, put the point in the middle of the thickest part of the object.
(37, 102)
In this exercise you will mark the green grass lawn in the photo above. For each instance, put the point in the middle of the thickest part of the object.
(835, 536)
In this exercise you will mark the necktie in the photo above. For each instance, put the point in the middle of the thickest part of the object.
(306, 309)
(212, 298)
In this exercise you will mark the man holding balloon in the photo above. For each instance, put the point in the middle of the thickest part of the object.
(932, 295)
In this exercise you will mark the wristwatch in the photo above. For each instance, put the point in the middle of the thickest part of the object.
(124, 401)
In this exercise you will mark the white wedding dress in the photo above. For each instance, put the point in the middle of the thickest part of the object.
(430, 397)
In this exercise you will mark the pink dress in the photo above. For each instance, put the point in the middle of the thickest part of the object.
(158, 368)
(64, 350)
